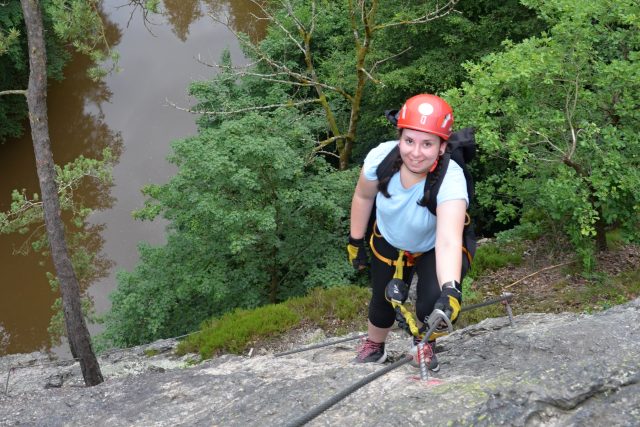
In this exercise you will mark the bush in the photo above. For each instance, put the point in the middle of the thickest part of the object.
(490, 257)
(235, 331)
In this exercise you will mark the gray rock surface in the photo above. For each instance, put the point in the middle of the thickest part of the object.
(548, 370)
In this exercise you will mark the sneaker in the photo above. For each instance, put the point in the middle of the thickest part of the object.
(369, 351)
(433, 364)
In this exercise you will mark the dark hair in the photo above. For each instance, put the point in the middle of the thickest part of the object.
(432, 177)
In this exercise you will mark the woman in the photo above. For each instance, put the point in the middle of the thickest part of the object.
(403, 222)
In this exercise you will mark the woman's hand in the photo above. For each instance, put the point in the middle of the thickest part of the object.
(356, 253)
(449, 301)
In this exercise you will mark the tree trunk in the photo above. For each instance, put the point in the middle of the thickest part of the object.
(79, 339)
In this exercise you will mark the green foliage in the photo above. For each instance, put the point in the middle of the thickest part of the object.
(78, 22)
(436, 54)
(603, 292)
(235, 331)
(14, 66)
(150, 352)
(67, 23)
(490, 257)
(558, 115)
(25, 212)
(253, 220)
(322, 306)
(353, 79)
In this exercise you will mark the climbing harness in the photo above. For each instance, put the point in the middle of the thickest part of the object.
(397, 292)
(400, 262)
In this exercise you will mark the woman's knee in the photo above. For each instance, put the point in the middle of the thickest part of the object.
(381, 314)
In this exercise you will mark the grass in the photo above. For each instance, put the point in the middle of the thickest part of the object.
(150, 352)
(603, 292)
(490, 257)
(334, 309)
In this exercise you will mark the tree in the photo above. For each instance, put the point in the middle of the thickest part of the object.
(561, 111)
(254, 220)
(71, 22)
(14, 68)
(299, 57)
(79, 339)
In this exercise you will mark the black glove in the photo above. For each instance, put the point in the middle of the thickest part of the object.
(356, 253)
(449, 301)
(397, 290)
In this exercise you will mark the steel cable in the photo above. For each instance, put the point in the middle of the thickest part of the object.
(347, 391)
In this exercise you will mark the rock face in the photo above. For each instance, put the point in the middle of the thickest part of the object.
(551, 370)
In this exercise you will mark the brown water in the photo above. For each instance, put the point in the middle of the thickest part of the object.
(127, 112)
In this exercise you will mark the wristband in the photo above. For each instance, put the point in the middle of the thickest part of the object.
(453, 284)
(356, 242)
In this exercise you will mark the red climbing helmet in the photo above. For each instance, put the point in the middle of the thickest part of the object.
(427, 113)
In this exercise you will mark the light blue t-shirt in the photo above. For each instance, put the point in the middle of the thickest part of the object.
(403, 223)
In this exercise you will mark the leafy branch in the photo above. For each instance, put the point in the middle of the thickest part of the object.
(301, 32)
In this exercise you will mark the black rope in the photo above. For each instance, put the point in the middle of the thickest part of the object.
(325, 344)
(313, 413)
(347, 391)
(504, 297)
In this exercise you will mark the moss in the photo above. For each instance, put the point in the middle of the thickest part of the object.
(150, 352)
(603, 292)
(337, 304)
(235, 331)
(490, 257)
(232, 332)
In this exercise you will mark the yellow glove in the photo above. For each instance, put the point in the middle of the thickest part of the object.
(449, 301)
(356, 253)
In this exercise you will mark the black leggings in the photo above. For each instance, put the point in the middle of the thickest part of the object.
(381, 313)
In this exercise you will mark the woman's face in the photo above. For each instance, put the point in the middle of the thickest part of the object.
(419, 150)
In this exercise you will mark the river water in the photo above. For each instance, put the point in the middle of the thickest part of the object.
(128, 112)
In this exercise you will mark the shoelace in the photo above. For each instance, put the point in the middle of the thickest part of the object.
(366, 348)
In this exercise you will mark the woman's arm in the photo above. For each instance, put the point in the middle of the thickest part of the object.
(361, 205)
(449, 226)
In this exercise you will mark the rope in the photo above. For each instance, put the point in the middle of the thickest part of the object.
(504, 297)
(346, 392)
(313, 413)
(325, 344)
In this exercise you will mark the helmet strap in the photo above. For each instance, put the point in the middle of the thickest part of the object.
(435, 165)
